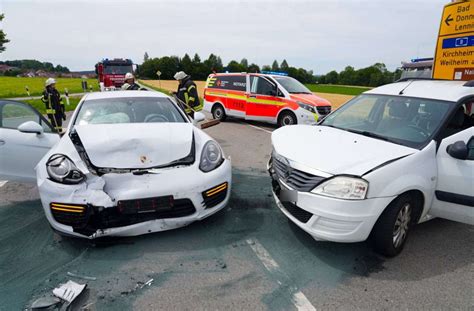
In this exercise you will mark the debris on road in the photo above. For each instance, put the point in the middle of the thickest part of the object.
(69, 291)
(84, 277)
(45, 302)
(147, 283)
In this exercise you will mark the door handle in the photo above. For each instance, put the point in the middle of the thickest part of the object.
(2, 142)
(253, 96)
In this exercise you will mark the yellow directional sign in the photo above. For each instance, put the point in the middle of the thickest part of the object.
(454, 57)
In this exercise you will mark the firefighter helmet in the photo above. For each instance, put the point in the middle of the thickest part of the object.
(180, 75)
(129, 76)
(49, 81)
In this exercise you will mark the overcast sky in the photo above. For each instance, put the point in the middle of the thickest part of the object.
(321, 35)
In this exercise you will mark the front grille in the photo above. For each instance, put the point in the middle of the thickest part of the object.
(126, 213)
(296, 179)
(324, 110)
(299, 213)
(214, 196)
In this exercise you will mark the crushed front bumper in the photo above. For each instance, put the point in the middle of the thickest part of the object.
(129, 205)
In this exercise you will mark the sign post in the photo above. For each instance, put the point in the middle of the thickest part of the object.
(454, 56)
(158, 73)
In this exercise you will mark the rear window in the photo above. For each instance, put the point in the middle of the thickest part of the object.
(235, 83)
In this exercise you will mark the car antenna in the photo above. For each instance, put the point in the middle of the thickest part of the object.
(401, 92)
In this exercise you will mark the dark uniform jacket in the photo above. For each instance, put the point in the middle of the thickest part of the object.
(54, 108)
(187, 92)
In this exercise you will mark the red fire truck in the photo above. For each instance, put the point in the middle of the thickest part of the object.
(111, 72)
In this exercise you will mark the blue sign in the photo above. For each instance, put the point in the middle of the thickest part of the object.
(459, 42)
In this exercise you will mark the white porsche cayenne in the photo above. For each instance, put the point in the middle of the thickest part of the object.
(129, 163)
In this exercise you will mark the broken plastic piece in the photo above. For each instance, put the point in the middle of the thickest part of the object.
(147, 283)
(69, 291)
(45, 302)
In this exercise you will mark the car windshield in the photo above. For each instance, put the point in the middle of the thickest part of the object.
(128, 110)
(293, 86)
(118, 70)
(402, 120)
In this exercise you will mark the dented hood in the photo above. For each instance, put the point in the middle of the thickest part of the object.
(135, 145)
(335, 151)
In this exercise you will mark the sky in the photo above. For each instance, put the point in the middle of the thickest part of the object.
(318, 35)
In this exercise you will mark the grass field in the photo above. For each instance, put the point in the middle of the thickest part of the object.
(15, 87)
(337, 89)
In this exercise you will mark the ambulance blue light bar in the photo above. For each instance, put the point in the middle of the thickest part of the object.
(275, 73)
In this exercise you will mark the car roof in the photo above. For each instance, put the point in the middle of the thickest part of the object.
(431, 89)
(123, 94)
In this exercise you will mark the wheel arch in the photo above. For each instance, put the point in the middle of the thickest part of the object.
(283, 110)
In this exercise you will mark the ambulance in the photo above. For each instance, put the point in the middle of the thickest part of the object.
(272, 98)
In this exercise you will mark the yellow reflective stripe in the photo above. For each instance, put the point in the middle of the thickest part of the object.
(66, 210)
(216, 189)
(233, 96)
(191, 98)
(186, 98)
(316, 117)
(190, 87)
(217, 94)
(265, 102)
(67, 206)
(50, 111)
(198, 108)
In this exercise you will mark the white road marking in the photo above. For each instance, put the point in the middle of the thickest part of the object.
(2, 183)
(299, 299)
(258, 128)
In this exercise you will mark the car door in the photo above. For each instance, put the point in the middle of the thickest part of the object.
(21, 151)
(263, 102)
(454, 194)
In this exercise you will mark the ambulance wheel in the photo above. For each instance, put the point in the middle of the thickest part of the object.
(287, 118)
(218, 112)
(391, 230)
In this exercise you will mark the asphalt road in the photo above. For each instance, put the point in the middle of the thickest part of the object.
(248, 256)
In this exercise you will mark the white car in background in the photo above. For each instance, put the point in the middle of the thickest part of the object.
(129, 163)
(392, 157)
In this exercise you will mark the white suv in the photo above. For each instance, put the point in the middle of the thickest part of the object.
(392, 157)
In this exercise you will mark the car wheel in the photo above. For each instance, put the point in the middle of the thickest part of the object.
(391, 230)
(287, 118)
(218, 112)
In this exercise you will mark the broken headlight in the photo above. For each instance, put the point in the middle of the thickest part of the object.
(211, 156)
(61, 169)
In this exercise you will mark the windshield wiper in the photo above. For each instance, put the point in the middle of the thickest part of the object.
(300, 93)
(372, 135)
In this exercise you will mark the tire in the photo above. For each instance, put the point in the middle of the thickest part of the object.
(218, 112)
(393, 226)
(287, 118)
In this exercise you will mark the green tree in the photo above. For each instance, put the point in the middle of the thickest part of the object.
(275, 66)
(284, 66)
(332, 77)
(235, 66)
(186, 63)
(3, 37)
(266, 68)
(146, 57)
(253, 68)
(244, 63)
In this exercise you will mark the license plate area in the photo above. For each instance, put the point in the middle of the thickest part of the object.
(147, 205)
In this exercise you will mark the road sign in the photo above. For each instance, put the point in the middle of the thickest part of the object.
(454, 57)
(158, 73)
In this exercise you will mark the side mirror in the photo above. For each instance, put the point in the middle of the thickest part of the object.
(198, 117)
(30, 127)
(458, 150)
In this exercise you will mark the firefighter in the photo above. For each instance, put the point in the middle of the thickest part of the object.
(54, 108)
(187, 92)
(130, 84)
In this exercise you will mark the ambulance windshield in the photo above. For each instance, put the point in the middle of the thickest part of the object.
(293, 86)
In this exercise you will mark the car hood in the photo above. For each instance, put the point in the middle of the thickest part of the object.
(310, 99)
(135, 145)
(335, 151)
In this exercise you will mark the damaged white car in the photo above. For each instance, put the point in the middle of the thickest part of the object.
(129, 163)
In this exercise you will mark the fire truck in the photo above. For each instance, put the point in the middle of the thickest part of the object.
(111, 72)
